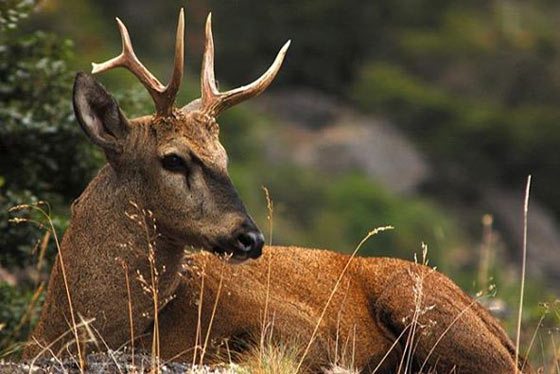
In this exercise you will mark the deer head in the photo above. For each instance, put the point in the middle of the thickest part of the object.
(172, 161)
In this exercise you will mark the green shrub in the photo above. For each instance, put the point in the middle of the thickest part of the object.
(485, 141)
(16, 306)
(43, 155)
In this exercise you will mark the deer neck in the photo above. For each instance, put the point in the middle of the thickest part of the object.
(109, 236)
(109, 225)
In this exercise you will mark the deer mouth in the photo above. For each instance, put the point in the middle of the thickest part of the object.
(242, 247)
(231, 256)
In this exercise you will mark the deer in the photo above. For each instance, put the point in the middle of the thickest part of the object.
(387, 314)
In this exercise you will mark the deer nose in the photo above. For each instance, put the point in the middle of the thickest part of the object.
(251, 243)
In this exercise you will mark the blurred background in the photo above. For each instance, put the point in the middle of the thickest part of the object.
(427, 115)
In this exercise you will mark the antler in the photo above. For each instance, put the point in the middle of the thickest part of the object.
(163, 96)
(213, 101)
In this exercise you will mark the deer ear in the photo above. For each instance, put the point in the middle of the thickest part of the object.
(98, 114)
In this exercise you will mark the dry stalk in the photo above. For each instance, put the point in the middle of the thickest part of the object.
(198, 336)
(214, 308)
(46, 349)
(418, 291)
(406, 328)
(37, 207)
(42, 250)
(523, 266)
(89, 331)
(269, 217)
(485, 260)
(340, 349)
(533, 339)
(94, 332)
(144, 218)
(444, 333)
(555, 357)
(130, 319)
(270, 210)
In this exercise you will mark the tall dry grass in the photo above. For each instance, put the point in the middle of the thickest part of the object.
(523, 267)
(44, 209)
(284, 356)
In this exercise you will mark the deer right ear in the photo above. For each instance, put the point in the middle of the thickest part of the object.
(98, 114)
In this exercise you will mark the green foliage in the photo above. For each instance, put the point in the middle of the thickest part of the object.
(41, 148)
(15, 303)
(13, 11)
(19, 241)
(488, 140)
(388, 88)
(317, 210)
(244, 53)
(43, 155)
(359, 205)
(337, 213)
(242, 134)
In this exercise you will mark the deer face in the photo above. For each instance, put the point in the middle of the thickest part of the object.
(173, 161)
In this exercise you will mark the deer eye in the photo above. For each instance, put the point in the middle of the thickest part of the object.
(173, 162)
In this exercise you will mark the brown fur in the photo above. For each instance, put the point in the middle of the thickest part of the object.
(373, 304)
(371, 308)
(197, 206)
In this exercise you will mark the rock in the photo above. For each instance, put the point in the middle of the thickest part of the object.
(319, 132)
(543, 236)
(110, 362)
(7, 277)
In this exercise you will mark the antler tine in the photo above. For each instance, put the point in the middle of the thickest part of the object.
(128, 60)
(179, 63)
(237, 95)
(163, 96)
(215, 102)
(208, 88)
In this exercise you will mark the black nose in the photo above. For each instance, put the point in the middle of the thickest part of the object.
(251, 243)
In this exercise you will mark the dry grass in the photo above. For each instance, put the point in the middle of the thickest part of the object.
(523, 266)
(214, 309)
(486, 257)
(274, 355)
(44, 210)
(197, 342)
(144, 218)
(129, 304)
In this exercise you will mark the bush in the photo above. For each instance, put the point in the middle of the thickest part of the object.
(487, 142)
(43, 155)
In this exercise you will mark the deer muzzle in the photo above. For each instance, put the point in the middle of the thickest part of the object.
(245, 243)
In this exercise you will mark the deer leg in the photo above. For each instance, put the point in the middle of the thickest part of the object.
(443, 327)
(385, 351)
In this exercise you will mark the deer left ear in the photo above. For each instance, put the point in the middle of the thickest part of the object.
(98, 114)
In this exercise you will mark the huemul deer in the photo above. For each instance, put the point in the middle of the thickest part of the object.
(384, 313)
